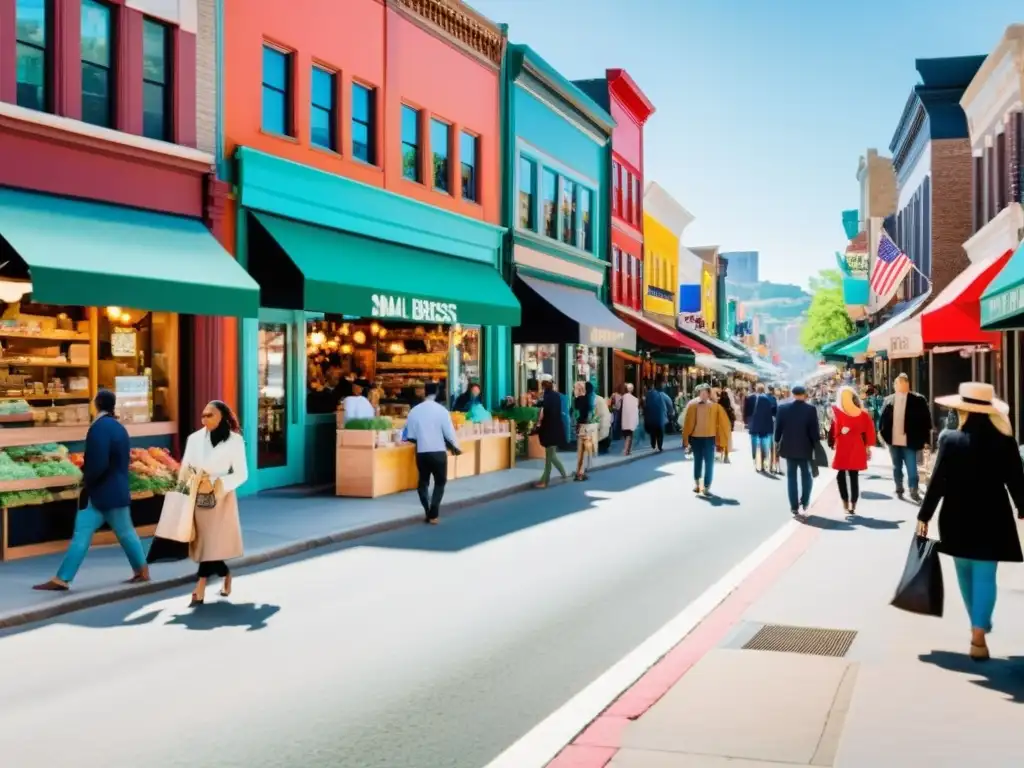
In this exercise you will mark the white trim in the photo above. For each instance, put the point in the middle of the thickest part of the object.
(915, 176)
(545, 262)
(998, 236)
(541, 157)
(574, 121)
(109, 135)
(996, 87)
(666, 209)
(181, 13)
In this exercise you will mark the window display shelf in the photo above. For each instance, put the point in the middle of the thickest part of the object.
(47, 336)
(15, 436)
(39, 483)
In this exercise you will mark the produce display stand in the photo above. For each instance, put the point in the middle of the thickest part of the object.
(368, 465)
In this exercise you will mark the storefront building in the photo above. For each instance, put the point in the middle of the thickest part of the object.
(113, 274)
(367, 210)
(556, 176)
(992, 103)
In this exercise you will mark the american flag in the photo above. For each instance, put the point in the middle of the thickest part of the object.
(889, 270)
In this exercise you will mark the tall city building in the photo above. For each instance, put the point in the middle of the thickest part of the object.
(742, 266)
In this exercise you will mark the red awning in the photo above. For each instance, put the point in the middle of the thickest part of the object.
(954, 316)
(661, 336)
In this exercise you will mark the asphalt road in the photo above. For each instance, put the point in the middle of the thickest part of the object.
(421, 648)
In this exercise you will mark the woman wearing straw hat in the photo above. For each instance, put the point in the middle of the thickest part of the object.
(977, 464)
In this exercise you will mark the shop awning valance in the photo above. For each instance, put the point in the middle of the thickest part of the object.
(343, 273)
(878, 340)
(681, 358)
(658, 335)
(712, 363)
(562, 314)
(94, 254)
(954, 317)
(1002, 303)
(832, 348)
(900, 335)
(713, 345)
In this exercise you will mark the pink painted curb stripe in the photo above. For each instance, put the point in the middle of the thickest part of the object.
(601, 740)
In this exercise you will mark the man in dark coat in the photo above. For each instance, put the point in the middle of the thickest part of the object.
(657, 409)
(761, 426)
(797, 433)
(906, 427)
(105, 489)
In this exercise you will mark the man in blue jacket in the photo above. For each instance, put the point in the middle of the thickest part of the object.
(796, 434)
(761, 426)
(108, 499)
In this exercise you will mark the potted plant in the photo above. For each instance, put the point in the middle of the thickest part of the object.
(363, 433)
(525, 418)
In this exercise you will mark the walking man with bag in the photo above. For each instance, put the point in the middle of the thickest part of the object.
(906, 427)
(106, 496)
(797, 433)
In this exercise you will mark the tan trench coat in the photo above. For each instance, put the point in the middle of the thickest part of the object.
(218, 531)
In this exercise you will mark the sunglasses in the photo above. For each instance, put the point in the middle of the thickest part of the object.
(208, 415)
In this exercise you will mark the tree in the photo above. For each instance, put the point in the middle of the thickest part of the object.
(827, 320)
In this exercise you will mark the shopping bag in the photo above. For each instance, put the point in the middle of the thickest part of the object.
(920, 589)
(820, 456)
(178, 515)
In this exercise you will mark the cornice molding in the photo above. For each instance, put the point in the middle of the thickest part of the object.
(457, 23)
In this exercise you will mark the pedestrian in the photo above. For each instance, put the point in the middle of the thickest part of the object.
(774, 395)
(603, 417)
(797, 432)
(705, 427)
(106, 497)
(760, 418)
(583, 410)
(851, 434)
(550, 432)
(429, 426)
(725, 401)
(630, 418)
(657, 407)
(977, 464)
(906, 427)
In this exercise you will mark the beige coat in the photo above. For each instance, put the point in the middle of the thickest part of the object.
(218, 530)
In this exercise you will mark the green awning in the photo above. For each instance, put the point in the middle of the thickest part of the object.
(855, 348)
(674, 358)
(358, 276)
(832, 348)
(95, 254)
(1002, 303)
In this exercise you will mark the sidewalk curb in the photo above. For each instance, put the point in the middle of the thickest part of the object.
(64, 604)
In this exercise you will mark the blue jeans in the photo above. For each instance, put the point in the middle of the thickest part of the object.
(901, 456)
(797, 498)
(87, 522)
(977, 579)
(764, 442)
(703, 459)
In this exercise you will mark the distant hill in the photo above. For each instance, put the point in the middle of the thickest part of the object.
(765, 291)
(775, 303)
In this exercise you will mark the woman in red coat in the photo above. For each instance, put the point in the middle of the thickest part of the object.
(851, 434)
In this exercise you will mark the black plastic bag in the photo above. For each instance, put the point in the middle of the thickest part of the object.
(920, 589)
(820, 457)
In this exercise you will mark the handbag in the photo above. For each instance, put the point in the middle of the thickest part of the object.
(921, 589)
(820, 457)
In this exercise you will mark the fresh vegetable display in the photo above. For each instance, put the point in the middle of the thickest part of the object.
(56, 468)
(24, 498)
(14, 407)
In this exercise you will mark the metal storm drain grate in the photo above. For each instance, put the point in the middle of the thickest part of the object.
(812, 641)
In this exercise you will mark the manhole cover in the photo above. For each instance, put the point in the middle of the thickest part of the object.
(813, 641)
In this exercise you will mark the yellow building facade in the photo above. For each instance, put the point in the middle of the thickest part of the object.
(664, 222)
(709, 297)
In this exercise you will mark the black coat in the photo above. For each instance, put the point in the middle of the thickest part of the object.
(552, 431)
(975, 468)
(797, 430)
(105, 472)
(917, 421)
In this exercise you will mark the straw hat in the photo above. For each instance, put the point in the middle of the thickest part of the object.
(975, 397)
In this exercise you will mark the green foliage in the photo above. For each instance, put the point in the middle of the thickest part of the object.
(827, 320)
(379, 424)
(524, 417)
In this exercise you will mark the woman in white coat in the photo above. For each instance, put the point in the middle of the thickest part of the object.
(630, 417)
(216, 454)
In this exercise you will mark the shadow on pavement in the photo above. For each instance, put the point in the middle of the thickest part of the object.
(719, 501)
(224, 614)
(875, 496)
(859, 521)
(1004, 676)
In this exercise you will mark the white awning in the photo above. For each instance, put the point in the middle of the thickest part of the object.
(900, 335)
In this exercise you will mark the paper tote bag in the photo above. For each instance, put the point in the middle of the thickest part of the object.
(177, 518)
(920, 589)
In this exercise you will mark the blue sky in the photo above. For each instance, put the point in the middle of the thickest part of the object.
(763, 106)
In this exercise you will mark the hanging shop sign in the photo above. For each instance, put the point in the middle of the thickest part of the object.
(415, 310)
(1002, 306)
(857, 262)
(692, 321)
(603, 337)
(123, 343)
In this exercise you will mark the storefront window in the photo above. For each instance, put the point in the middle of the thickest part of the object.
(272, 369)
(534, 364)
(464, 360)
(587, 366)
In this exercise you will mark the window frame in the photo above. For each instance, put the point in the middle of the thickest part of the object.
(532, 219)
(110, 69)
(567, 183)
(167, 86)
(440, 122)
(474, 138)
(417, 148)
(289, 90)
(616, 188)
(331, 110)
(370, 124)
(47, 101)
(555, 201)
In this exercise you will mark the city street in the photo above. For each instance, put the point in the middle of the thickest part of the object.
(420, 648)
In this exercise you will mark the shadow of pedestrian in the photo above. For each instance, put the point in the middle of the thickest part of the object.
(874, 495)
(1005, 676)
(858, 521)
(224, 614)
(718, 501)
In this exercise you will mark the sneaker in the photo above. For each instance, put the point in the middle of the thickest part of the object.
(915, 494)
(706, 491)
(899, 493)
(696, 488)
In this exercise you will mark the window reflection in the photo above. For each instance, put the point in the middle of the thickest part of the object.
(272, 449)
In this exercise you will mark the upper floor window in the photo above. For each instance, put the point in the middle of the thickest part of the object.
(467, 158)
(527, 187)
(585, 240)
(549, 193)
(32, 33)
(156, 96)
(568, 212)
(411, 143)
(616, 189)
(97, 37)
(627, 202)
(637, 197)
(323, 115)
(363, 123)
(277, 91)
(440, 139)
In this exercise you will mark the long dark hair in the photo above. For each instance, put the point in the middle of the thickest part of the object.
(228, 423)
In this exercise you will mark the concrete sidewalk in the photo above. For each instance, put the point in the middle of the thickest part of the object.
(903, 693)
(275, 525)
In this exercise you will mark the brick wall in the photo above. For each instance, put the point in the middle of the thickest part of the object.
(882, 197)
(206, 77)
(952, 212)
